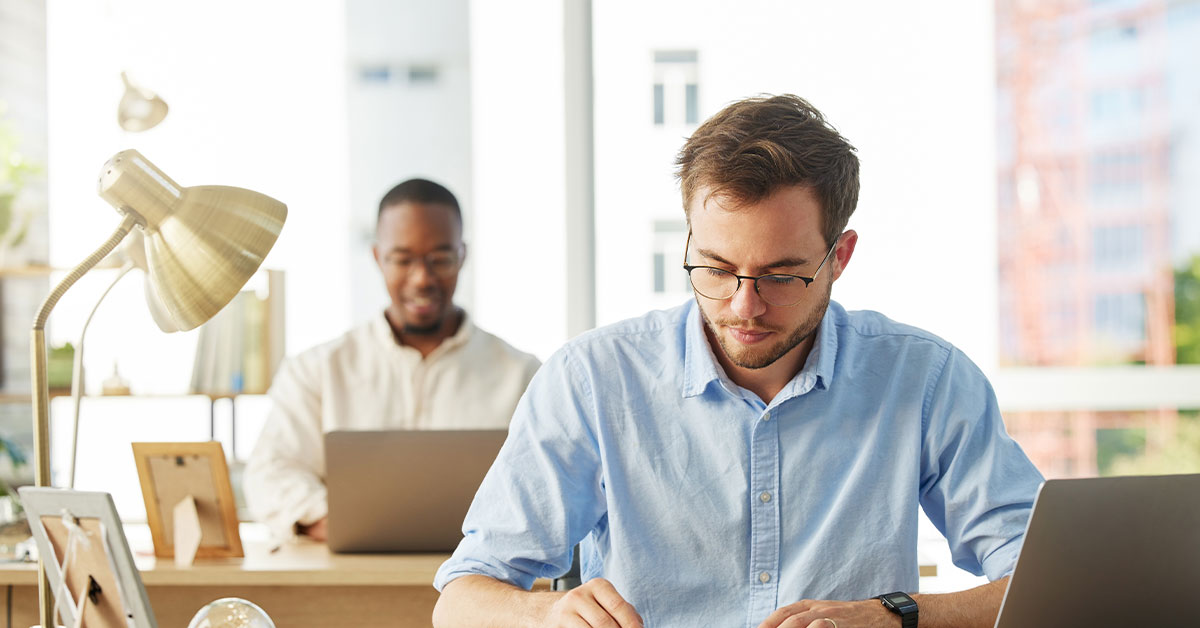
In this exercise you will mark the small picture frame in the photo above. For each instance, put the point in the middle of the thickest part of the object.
(189, 480)
(80, 539)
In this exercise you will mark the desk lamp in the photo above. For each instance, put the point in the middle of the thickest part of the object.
(140, 109)
(202, 245)
(129, 256)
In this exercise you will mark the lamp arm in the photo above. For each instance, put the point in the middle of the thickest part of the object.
(131, 219)
(41, 387)
(77, 372)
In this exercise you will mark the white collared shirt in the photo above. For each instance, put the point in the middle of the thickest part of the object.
(366, 380)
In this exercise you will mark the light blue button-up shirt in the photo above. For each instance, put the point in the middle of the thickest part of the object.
(706, 506)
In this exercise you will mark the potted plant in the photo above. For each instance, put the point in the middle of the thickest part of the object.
(14, 528)
(15, 172)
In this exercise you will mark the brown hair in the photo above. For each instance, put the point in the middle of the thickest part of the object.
(754, 146)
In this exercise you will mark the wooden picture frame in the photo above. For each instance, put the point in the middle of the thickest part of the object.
(100, 573)
(172, 472)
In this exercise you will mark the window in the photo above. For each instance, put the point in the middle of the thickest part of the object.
(676, 88)
(658, 104)
(422, 74)
(1118, 248)
(375, 74)
(670, 236)
(1117, 179)
(416, 75)
(1120, 320)
(692, 108)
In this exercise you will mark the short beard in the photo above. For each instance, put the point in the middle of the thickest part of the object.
(801, 333)
(422, 330)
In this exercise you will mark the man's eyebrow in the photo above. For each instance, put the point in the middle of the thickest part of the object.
(404, 249)
(787, 262)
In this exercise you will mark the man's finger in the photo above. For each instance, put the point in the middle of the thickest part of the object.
(616, 606)
(595, 616)
(807, 620)
(776, 619)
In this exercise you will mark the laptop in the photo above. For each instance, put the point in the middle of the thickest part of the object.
(404, 491)
(1120, 551)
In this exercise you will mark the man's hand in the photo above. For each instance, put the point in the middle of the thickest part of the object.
(832, 614)
(594, 604)
(318, 530)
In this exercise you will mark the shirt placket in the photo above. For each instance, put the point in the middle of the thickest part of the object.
(764, 518)
(420, 401)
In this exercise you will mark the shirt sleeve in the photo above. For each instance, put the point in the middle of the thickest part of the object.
(283, 481)
(977, 485)
(545, 491)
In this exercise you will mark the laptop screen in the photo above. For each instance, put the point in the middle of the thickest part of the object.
(404, 490)
(1120, 551)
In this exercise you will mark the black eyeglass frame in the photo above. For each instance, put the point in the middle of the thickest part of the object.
(459, 257)
(807, 280)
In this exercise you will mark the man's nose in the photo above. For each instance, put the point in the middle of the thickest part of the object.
(421, 273)
(746, 302)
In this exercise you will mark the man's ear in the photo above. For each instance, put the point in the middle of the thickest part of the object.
(843, 252)
(375, 254)
(463, 257)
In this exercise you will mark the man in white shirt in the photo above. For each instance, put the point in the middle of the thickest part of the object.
(421, 365)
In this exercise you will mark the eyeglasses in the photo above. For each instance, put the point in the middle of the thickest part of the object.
(441, 264)
(778, 289)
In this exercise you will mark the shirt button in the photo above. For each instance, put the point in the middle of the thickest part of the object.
(764, 577)
(765, 497)
(766, 415)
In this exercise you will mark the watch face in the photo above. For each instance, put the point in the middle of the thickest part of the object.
(898, 599)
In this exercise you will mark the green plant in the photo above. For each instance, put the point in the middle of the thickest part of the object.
(15, 172)
(18, 459)
(1181, 455)
(1187, 312)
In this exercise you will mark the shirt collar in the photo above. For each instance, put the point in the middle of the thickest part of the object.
(700, 366)
(818, 368)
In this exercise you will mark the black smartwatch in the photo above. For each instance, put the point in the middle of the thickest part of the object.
(903, 605)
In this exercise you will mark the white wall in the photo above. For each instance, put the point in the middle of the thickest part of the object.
(400, 129)
(256, 101)
(910, 84)
(517, 156)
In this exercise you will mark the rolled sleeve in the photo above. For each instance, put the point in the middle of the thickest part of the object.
(977, 484)
(543, 494)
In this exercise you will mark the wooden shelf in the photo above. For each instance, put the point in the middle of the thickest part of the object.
(36, 270)
(26, 398)
(11, 397)
(39, 270)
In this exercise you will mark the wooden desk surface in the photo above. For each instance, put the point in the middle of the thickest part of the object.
(301, 562)
(301, 584)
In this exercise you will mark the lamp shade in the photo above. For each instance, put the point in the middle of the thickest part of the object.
(139, 109)
(132, 252)
(202, 243)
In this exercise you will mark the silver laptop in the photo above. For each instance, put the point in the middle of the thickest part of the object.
(404, 491)
(1121, 551)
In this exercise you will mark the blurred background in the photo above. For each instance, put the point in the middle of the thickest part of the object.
(1030, 187)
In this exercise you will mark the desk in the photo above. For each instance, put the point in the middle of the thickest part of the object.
(300, 585)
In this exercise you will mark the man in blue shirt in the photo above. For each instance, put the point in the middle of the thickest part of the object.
(757, 457)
